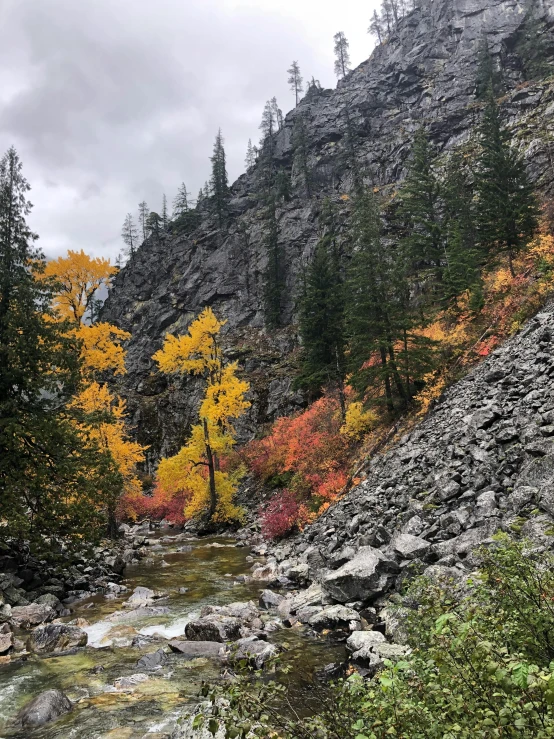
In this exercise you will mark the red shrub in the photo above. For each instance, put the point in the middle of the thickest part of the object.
(282, 514)
(158, 506)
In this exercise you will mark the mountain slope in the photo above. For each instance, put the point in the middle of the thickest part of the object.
(424, 75)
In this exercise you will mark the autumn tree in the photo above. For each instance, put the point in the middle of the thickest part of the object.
(219, 183)
(507, 210)
(295, 80)
(100, 413)
(144, 212)
(130, 235)
(196, 467)
(51, 478)
(342, 55)
(181, 203)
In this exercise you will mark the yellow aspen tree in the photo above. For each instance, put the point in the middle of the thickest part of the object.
(199, 353)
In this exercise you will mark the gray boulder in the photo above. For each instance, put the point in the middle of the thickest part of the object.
(6, 638)
(152, 661)
(214, 627)
(56, 638)
(269, 599)
(195, 649)
(409, 546)
(255, 651)
(336, 617)
(364, 578)
(46, 707)
(25, 617)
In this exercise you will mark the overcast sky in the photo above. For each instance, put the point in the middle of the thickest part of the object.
(113, 101)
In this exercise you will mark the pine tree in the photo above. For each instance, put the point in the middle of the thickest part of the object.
(219, 181)
(273, 276)
(463, 258)
(154, 224)
(420, 208)
(282, 185)
(487, 73)
(250, 160)
(130, 235)
(143, 219)
(376, 27)
(301, 153)
(165, 215)
(351, 157)
(321, 316)
(200, 198)
(295, 80)
(277, 113)
(52, 482)
(268, 127)
(507, 212)
(342, 55)
(181, 203)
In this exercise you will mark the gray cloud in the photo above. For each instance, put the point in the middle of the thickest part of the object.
(113, 101)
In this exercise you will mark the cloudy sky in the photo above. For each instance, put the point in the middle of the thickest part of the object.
(113, 101)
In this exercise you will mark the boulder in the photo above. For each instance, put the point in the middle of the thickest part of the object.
(49, 599)
(364, 578)
(6, 638)
(336, 617)
(46, 707)
(361, 643)
(119, 636)
(194, 649)
(142, 597)
(269, 599)
(152, 661)
(409, 546)
(56, 638)
(25, 617)
(214, 627)
(313, 596)
(255, 651)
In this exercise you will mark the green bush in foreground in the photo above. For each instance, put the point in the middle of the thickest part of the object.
(482, 666)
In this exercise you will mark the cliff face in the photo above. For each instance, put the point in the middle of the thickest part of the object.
(424, 75)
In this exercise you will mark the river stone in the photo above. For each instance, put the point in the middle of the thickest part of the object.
(49, 599)
(141, 597)
(364, 640)
(311, 597)
(46, 707)
(364, 578)
(255, 651)
(269, 599)
(336, 617)
(194, 649)
(6, 638)
(34, 614)
(56, 638)
(119, 636)
(153, 660)
(214, 627)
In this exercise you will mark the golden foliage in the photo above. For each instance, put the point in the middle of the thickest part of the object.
(78, 277)
(199, 353)
(105, 424)
(101, 349)
(357, 421)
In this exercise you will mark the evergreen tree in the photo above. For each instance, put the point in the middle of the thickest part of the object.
(508, 211)
(143, 219)
(384, 350)
(376, 27)
(463, 258)
(250, 160)
(165, 215)
(301, 153)
(219, 180)
(350, 151)
(273, 276)
(295, 80)
(420, 207)
(154, 224)
(130, 235)
(268, 127)
(488, 74)
(52, 482)
(277, 113)
(321, 316)
(181, 203)
(282, 185)
(342, 55)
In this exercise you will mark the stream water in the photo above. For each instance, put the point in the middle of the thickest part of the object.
(89, 677)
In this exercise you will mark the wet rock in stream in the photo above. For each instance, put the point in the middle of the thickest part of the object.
(46, 707)
(56, 638)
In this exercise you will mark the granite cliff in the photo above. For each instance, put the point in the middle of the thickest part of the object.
(424, 75)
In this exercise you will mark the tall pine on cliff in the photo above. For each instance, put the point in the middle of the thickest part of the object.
(52, 481)
(507, 212)
(321, 317)
(219, 183)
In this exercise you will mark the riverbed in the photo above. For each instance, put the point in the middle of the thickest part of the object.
(110, 701)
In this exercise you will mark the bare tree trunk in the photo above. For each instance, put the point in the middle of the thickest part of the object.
(211, 470)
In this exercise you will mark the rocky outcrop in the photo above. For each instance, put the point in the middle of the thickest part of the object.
(56, 638)
(424, 75)
(481, 462)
